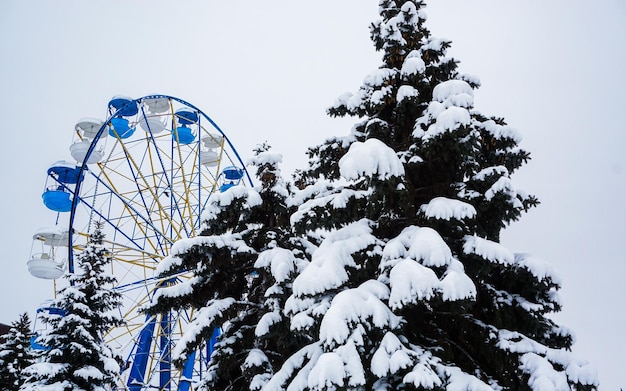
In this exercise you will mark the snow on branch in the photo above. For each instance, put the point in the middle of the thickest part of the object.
(543, 364)
(206, 317)
(362, 305)
(280, 261)
(182, 246)
(296, 368)
(391, 356)
(422, 244)
(443, 208)
(487, 249)
(370, 158)
(537, 267)
(339, 368)
(327, 269)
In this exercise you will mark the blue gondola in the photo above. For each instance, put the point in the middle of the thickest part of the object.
(183, 135)
(233, 173)
(38, 332)
(57, 195)
(126, 107)
(120, 127)
(187, 117)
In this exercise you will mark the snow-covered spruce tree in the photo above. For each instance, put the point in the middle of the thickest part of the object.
(243, 263)
(410, 287)
(77, 356)
(15, 354)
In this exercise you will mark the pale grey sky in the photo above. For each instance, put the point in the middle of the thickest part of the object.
(267, 70)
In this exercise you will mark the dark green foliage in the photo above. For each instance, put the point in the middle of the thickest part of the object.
(232, 289)
(76, 355)
(456, 186)
(15, 354)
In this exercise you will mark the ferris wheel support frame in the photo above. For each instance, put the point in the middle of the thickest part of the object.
(103, 128)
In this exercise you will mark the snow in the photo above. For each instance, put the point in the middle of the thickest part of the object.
(543, 376)
(419, 243)
(255, 358)
(487, 249)
(218, 201)
(266, 321)
(413, 64)
(379, 77)
(352, 364)
(378, 97)
(456, 285)
(502, 131)
(332, 369)
(327, 269)
(89, 372)
(301, 321)
(281, 262)
(357, 305)
(539, 362)
(447, 121)
(406, 92)
(265, 157)
(390, 356)
(356, 101)
(461, 381)
(370, 158)
(451, 89)
(537, 267)
(323, 199)
(495, 170)
(502, 185)
(411, 282)
(205, 317)
(423, 374)
(309, 353)
(445, 209)
(182, 246)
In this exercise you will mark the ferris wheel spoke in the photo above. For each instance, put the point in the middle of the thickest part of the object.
(140, 219)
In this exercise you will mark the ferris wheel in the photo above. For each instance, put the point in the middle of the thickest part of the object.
(146, 172)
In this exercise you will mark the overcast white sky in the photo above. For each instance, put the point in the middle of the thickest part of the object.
(267, 70)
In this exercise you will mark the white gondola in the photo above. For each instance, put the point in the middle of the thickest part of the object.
(157, 105)
(209, 158)
(154, 124)
(43, 262)
(213, 141)
(86, 131)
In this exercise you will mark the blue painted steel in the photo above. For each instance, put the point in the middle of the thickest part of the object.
(165, 361)
(233, 173)
(187, 117)
(226, 186)
(142, 354)
(211, 345)
(50, 310)
(187, 373)
(120, 128)
(183, 135)
(57, 200)
(65, 174)
(124, 106)
(37, 346)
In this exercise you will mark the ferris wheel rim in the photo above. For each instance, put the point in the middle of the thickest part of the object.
(103, 128)
(137, 281)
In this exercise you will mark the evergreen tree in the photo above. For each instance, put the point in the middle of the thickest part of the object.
(76, 355)
(15, 354)
(409, 287)
(242, 263)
